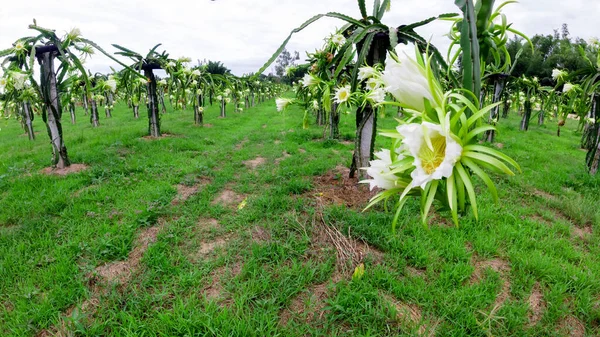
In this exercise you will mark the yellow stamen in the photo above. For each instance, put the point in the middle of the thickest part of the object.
(432, 157)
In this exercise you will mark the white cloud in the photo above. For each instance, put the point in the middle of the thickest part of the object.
(243, 34)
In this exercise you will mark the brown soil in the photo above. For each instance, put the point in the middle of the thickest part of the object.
(582, 233)
(407, 313)
(206, 225)
(214, 290)
(241, 144)
(73, 168)
(302, 150)
(254, 163)
(572, 326)
(543, 194)
(260, 234)
(500, 266)
(349, 252)
(539, 219)
(207, 125)
(209, 246)
(184, 192)
(121, 271)
(499, 145)
(537, 305)
(228, 198)
(335, 187)
(284, 156)
(414, 272)
(309, 305)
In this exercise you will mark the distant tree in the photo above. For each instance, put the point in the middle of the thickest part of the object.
(284, 61)
(551, 51)
(217, 68)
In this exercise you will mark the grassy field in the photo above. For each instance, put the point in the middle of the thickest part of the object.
(250, 227)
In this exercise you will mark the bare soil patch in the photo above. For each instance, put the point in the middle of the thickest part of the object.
(228, 198)
(408, 313)
(309, 305)
(206, 225)
(349, 252)
(73, 168)
(254, 163)
(215, 289)
(543, 194)
(500, 266)
(241, 144)
(285, 155)
(119, 271)
(208, 247)
(537, 305)
(184, 192)
(260, 234)
(302, 150)
(122, 271)
(572, 326)
(582, 233)
(335, 187)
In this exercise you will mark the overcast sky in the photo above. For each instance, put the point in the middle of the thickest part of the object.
(244, 33)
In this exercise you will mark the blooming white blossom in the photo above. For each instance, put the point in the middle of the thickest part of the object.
(227, 92)
(374, 83)
(338, 39)
(194, 82)
(162, 82)
(366, 72)
(342, 94)
(19, 46)
(18, 79)
(171, 64)
(74, 34)
(434, 150)
(315, 104)
(379, 170)
(219, 98)
(309, 80)
(200, 109)
(407, 81)
(282, 103)
(144, 81)
(558, 74)
(377, 95)
(111, 85)
(568, 87)
(199, 92)
(3, 82)
(196, 72)
(184, 59)
(227, 100)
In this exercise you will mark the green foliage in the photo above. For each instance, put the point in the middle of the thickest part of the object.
(55, 230)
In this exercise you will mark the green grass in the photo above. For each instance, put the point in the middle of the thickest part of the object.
(55, 231)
